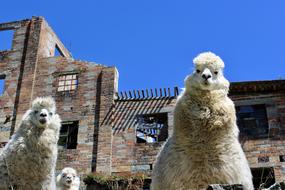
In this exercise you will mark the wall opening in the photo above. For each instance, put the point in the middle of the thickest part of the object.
(68, 135)
(282, 158)
(152, 128)
(263, 159)
(262, 177)
(252, 121)
(6, 39)
(58, 52)
(2, 84)
(150, 166)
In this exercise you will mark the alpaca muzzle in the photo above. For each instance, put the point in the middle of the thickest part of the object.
(43, 120)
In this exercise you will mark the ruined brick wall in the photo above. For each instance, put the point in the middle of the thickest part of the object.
(94, 94)
(17, 64)
(49, 42)
(128, 155)
(266, 151)
(31, 41)
(32, 70)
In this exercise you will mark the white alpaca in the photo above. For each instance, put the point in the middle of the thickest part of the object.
(67, 180)
(29, 158)
(204, 148)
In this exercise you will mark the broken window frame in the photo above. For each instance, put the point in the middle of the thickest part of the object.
(68, 138)
(152, 128)
(252, 121)
(263, 175)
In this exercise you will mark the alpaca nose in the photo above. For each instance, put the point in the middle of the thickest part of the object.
(206, 77)
(43, 114)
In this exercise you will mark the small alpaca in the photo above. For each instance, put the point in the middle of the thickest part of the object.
(204, 148)
(68, 180)
(28, 160)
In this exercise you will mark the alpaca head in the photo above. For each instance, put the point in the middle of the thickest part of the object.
(42, 111)
(208, 73)
(68, 177)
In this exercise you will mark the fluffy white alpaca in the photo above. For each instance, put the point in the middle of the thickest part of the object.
(67, 180)
(29, 158)
(204, 148)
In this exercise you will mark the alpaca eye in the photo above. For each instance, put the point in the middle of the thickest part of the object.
(50, 113)
(198, 71)
(36, 111)
(216, 72)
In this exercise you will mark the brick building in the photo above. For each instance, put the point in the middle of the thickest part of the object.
(110, 132)
(84, 92)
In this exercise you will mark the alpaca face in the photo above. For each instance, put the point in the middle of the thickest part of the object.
(42, 116)
(209, 78)
(208, 73)
(42, 112)
(68, 177)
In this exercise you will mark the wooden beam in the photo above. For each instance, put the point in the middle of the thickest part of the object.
(130, 94)
(142, 91)
(169, 92)
(126, 95)
(122, 95)
(176, 91)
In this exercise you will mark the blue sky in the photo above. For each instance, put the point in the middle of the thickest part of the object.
(153, 42)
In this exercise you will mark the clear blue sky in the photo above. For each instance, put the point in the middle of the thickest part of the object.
(153, 42)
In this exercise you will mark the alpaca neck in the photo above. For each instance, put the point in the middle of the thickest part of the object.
(205, 96)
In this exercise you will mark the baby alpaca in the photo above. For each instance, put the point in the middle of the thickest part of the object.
(29, 158)
(204, 148)
(67, 180)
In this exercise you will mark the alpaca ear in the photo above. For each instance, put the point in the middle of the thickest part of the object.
(77, 180)
(56, 118)
(225, 83)
(58, 177)
(186, 80)
(26, 115)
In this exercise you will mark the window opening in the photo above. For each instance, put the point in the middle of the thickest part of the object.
(262, 177)
(252, 120)
(2, 84)
(67, 83)
(68, 135)
(58, 52)
(263, 159)
(152, 128)
(282, 158)
(6, 39)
